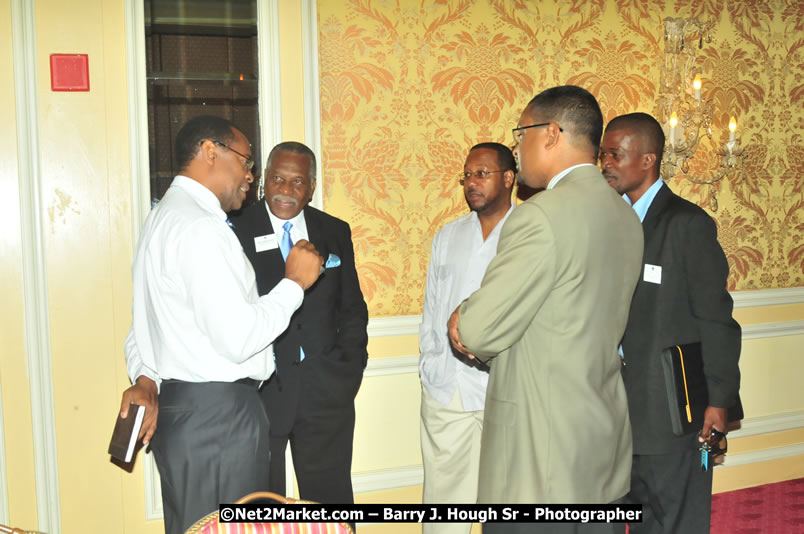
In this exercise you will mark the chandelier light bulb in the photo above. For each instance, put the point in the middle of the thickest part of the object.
(732, 130)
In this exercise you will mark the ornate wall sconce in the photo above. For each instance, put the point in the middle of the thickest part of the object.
(684, 115)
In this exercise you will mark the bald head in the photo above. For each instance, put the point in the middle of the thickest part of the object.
(647, 131)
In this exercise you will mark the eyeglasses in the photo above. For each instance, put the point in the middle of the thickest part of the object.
(248, 163)
(711, 449)
(518, 131)
(480, 175)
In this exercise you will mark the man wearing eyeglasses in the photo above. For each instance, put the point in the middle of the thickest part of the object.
(681, 298)
(548, 318)
(453, 386)
(200, 339)
(320, 358)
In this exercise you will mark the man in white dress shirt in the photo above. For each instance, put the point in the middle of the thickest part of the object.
(200, 338)
(454, 387)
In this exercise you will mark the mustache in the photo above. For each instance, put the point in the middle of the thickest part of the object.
(284, 198)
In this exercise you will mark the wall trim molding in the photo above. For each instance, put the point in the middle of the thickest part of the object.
(767, 330)
(153, 488)
(404, 325)
(397, 365)
(136, 82)
(312, 92)
(268, 57)
(768, 423)
(3, 471)
(36, 311)
(768, 297)
(386, 479)
(400, 325)
(765, 455)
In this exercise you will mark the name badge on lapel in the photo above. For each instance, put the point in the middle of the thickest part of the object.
(265, 242)
(653, 273)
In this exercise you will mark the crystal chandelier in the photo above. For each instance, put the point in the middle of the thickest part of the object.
(684, 115)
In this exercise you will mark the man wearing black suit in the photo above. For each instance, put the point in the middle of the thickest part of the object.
(680, 298)
(321, 356)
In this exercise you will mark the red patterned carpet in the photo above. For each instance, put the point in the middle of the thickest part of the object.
(769, 509)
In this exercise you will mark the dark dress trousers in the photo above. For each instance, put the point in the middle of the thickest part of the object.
(689, 304)
(311, 402)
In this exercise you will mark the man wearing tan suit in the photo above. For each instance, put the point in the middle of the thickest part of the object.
(553, 306)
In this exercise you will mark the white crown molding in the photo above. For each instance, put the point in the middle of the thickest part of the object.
(764, 455)
(3, 471)
(137, 116)
(153, 488)
(767, 297)
(768, 424)
(398, 365)
(312, 95)
(409, 325)
(36, 313)
(269, 73)
(766, 330)
(401, 325)
(386, 479)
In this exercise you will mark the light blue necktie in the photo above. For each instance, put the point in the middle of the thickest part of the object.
(287, 243)
(284, 247)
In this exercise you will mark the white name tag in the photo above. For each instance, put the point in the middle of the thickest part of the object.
(653, 273)
(265, 242)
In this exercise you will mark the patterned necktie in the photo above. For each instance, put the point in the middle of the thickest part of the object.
(286, 244)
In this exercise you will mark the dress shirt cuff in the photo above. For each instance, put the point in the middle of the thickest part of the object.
(290, 292)
(144, 371)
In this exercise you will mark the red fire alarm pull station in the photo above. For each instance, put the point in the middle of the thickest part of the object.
(69, 72)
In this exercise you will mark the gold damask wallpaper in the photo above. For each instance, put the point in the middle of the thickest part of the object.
(408, 86)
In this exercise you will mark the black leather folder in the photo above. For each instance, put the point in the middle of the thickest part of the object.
(687, 393)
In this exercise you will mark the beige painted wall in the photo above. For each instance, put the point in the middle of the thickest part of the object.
(87, 230)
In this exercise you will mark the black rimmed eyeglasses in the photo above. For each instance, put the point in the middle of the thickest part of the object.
(248, 163)
(518, 131)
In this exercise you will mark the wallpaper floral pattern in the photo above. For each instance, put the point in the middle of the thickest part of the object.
(408, 86)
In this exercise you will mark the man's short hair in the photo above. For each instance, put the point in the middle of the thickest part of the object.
(197, 130)
(647, 127)
(295, 148)
(574, 109)
(505, 158)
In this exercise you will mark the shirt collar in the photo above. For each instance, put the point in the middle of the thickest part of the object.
(200, 193)
(557, 178)
(298, 221)
(643, 203)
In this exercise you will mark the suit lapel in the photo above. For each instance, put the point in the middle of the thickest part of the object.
(315, 231)
(656, 208)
